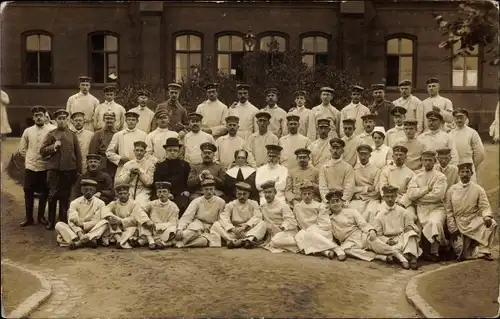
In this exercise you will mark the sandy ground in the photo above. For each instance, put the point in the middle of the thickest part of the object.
(204, 282)
(17, 287)
(474, 295)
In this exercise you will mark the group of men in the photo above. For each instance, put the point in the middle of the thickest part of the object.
(389, 181)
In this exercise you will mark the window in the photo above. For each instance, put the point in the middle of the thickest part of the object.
(399, 60)
(104, 58)
(187, 56)
(315, 50)
(273, 43)
(38, 58)
(230, 53)
(465, 68)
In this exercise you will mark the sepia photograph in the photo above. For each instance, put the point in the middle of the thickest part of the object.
(250, 159)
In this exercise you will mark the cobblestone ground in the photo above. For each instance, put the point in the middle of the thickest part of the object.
(106, 282)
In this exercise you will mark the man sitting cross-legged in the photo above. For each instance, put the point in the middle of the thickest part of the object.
(281, 224)
(85, 225)
(165, 215)
(193, 229)
(240, 223)
(396, 227)
(357, 238)
(469, 217)
(124, 215)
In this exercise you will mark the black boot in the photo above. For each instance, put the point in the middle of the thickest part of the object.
(63, 208)
(52, 214)
(42, 204)
(29, 200)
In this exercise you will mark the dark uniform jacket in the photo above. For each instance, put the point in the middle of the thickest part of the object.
(68, 156)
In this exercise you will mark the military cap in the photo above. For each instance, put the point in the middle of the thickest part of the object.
(302, 151)
(389, 189)
(405, 83)
(84, 79)
(172, 141)
(242, 86)
(38, 109)
(368, 117)
(143, 92)
(208, 146)
(410, 122)
(337, 142)
(268, 184)
(195, 116)
(293, 118)
(430, 153)
(434, 115)
(378, 129)
(398, 110)
(460, 111)
(161, 113)
(73, 115)
(163, 185)
(232, 119)
(60, 112)
(93, 157)
(432, 80)
(109, 88)
(210, 86)
(400, 148)
(327, 89)
(378, 87)
(299, 93)
(273, 148)
(263, 114)
(123, 186)
(349, 121)
(132, 114)
(271, 90)
(207, 182)
(243, 186)
(443, 151)
(306, 185)
(364, 147)
(334, 193)
(88, 182)
(465, 165)
(140, 143)
(174, 86)
(357, 88)
(323, 122)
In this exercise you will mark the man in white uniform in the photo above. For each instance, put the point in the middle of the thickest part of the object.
(277, 123)
(437, 103)
(435, 138)
(214, 112)
(156, 139)
(256, 143)
(354, 110)
(194, 138)
(146, 115)
(291, 142)
(412, 104)
(325, 110)
(84, 136)
(303, 112)
(109, 105)
(84, 102)
(397, 132)
(230, 143)
(272, 171)
(320, 148)
(245, 111)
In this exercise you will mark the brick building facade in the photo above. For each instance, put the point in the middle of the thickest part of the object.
(45, 47)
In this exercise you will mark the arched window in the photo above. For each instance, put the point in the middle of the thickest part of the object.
(230, 53)
(273, 43)
(399, 60)
(465, 68)
(315, 50)
(187, 56)
(37, 57)
(104, 49)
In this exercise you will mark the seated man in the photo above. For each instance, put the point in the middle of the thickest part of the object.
(444, 166)
(427, 190)
(138, 173)
(206, 170)
(85, 225)
(297, 175)
(240, 223)
(280, 221)
(366, 177)
(124, 215)
(357, 238)
(105, 191)
(241, 171)
(469, 217)
(395, 227)
(165, 215)
(193, 229)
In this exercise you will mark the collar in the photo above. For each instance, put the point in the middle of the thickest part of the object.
(350, 137)
(275, 106)
(108, 103)
(112, 129)
(129, 130)
(399, 127)
(355, 104)
(465, 185)
(88, 201)
(395, 167)
(159, 129)
(389, 208)
(82, 94)
(163, 203)
(333, 161)
(122, 204)
(359, 165)
(245, 170)
(300, 108)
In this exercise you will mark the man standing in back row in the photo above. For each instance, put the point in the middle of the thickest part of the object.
(381, 107)
(177, 113)
(83, 102)
(214, 112)
(245, 111)
(325, 110)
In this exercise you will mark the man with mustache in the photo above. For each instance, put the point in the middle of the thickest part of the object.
(381, 107)
(412, 104)
(230, 143)
(84, 136)
(194, 138)
(146, 115)
(277, 124)
(354, 110)
(156, 139)
(291, 142)
(83, 102)
(325, 110)
(435, 138)
(100, 142)
(214, 112)
(272, 171)
(109, 105)
(256, 143)
(177, 113)
(245, 111)
(439, 104)
(104, 187)
(207, 169)
(298, 175)
(320, 148)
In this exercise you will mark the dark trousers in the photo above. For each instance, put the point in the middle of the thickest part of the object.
(182, 202)
(60, 185)
(35, 182)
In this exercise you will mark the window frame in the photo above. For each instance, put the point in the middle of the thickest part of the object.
(479, 70)
(216, 48)
(24, 64)
(318, 34)
(264, 34)
(90, 52)
(406, 36)
(175, 51)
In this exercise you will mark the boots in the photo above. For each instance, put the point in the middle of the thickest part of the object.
(42, 204)
(29, 200)
(52, 214)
